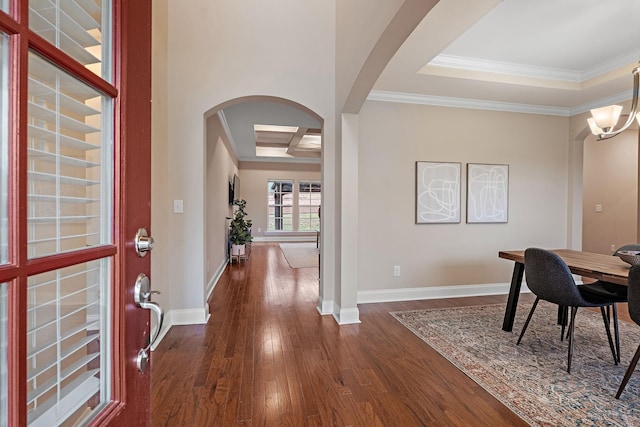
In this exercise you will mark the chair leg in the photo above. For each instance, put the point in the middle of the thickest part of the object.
(616, 331)
(627, 374)
(524, 328)
(607, 327)
(574, 311)
(563, 320)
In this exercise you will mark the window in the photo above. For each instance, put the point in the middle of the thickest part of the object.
(280, 210)
(309, 200)
(293, 206)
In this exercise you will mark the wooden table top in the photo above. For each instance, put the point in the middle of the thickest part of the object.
(598, 266)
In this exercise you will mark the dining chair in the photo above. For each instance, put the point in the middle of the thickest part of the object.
(612, 291)
(549, 278)
(634, 313)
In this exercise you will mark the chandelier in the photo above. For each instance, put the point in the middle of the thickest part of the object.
(604, 119)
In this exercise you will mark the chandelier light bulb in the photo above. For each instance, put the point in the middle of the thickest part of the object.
(603, 120)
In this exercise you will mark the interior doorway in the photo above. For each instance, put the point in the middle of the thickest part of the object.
(260, 140)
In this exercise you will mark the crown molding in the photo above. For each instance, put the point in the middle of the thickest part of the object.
(488, 66)
(227, 130)
(609, 100)
(476, 104)
(531, 71)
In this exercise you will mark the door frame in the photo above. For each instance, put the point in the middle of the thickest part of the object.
(131, 41)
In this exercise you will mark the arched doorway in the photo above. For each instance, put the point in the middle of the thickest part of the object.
(258, 140)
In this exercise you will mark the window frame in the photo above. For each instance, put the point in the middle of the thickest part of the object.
(295, 205)
(314, 219)
(280, 205)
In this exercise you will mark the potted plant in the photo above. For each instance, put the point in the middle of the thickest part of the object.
(240, 229)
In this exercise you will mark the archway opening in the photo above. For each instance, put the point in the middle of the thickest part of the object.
(261, 142)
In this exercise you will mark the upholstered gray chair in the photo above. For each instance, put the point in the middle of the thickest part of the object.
(612, 291)
(549, 278)
(634, 312)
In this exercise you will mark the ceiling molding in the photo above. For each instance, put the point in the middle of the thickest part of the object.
(530, 71)
(227, 130)
(488, 66)
(441, 101)
(629, 60)
(293, 145)
(609, 100)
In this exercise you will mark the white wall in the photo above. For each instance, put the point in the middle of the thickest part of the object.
(254, 177)
(220, 168)
(394, 136)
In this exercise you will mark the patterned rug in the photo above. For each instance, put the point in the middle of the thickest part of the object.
(531, 379)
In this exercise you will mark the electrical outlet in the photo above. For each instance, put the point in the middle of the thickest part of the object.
(396, 270)
(259, 230)
(613, 248)
(598, 208)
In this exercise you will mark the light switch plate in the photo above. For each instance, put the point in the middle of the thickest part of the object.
(178, 206)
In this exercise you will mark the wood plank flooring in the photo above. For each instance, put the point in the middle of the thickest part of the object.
(268, 358)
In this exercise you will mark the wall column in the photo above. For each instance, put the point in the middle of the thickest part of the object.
(348, 310)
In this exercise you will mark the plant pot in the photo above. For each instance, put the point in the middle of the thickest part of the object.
(238, 250)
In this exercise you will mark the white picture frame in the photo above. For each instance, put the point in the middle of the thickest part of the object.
(487, 193)
(437, 192)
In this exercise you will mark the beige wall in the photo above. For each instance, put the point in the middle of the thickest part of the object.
(254, 177)
(220, 168)
(217, 52)
(394, 136)
(610, 180)
(232, 50)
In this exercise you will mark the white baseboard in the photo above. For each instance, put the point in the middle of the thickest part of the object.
(324, 307)
(216, 276)
(346, 316)
(189, 316)
(435, 292)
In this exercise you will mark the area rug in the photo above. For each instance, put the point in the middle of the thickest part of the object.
(300, 255)
(531, 378)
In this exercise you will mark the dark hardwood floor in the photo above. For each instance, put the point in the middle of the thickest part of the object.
(267, 357)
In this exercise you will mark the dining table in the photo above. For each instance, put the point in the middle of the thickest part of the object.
(597, 266)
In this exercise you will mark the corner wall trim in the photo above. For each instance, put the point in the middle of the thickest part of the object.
(346, 316)
(189, 316)
(349, 316)
(324, 307)
(435, 292)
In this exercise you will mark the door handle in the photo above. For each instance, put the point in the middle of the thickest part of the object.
(141, 295)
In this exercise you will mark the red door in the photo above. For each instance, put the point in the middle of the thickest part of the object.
(75, 121)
